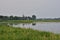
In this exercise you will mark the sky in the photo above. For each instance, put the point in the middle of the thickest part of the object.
(40, 8)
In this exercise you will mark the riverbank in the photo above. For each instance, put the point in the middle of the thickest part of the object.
(11, 33)
(47, 20)
(17, 21)
(27, 21)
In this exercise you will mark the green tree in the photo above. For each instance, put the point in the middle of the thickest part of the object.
(33, 17)
(11, 17)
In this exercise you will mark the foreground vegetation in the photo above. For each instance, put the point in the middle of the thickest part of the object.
(11, 33)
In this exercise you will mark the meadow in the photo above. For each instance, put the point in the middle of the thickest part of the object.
(17, 21)
(27, 21)
(47, 20)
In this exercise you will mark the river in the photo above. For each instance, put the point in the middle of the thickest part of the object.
(53, 27)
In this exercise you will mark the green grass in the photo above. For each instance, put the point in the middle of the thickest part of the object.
(47, 20)
(27, 21)
(11, 33)
(18, 21)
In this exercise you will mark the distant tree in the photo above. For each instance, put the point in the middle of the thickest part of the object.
(23, 17)
(5, 17)
(29, 18)
(33, 17)
(11, 17)
(1, 17)
(15, 18)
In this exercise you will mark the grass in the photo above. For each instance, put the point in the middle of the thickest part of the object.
(11, 33)
(18, 21)
(27, 21)
(47, 20)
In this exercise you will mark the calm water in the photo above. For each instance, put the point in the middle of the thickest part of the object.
(41, 26)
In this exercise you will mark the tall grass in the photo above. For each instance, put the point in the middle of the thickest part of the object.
(11, 33)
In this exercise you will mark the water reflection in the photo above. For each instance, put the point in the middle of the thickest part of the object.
(33, 24)
(43, 26)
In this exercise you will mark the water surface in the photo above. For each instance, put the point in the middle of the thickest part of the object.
(41, 26)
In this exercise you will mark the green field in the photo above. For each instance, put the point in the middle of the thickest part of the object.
(11, 33)
(27, 21)
(17, 21)
(47, 20)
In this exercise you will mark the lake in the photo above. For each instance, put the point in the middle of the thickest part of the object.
(53, 27)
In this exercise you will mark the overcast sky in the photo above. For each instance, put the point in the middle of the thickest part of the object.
(40, 8)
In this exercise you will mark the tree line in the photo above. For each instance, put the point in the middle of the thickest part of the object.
(17, 18)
